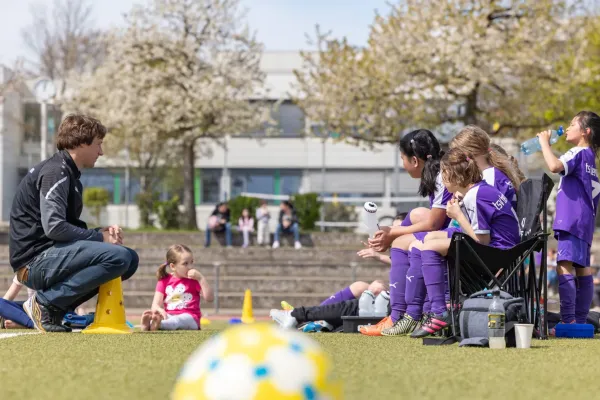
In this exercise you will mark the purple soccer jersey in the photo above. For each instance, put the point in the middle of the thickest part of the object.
(490, 213)
(498, 179)
(577, 197)
(440, 198)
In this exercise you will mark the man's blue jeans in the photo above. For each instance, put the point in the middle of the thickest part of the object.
(294, 229)
(227, 229)
(68, 274)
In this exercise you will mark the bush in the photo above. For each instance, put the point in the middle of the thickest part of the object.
(169, 215)
(308, 209)
(147, 203)
(96, 199)
(237, 204)
(337, 212)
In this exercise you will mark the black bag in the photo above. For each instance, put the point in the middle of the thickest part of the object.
(473, 317)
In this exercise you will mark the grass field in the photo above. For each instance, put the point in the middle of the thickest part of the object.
(145, 365)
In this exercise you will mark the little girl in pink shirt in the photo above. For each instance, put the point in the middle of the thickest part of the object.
(176, 303)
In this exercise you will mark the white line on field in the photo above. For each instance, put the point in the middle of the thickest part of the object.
(9, 335)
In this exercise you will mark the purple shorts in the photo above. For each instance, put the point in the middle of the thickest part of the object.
(450, 231)
(420, 236)
(571, 248)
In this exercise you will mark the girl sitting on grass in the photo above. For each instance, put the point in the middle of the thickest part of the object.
(176, 303)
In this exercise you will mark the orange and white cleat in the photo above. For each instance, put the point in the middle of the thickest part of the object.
(375, 330)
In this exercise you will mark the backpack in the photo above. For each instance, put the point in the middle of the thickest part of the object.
(473, 317)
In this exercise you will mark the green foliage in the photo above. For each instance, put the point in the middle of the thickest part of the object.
(169, 215)
(96, 199)
(338, 212)
(237, 204)
(308, 209)
(147, 203)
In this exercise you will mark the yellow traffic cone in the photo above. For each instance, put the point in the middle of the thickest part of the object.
(247, 314)
(110, 311)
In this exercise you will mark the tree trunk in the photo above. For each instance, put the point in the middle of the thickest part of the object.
(470, 117)
(189, 213)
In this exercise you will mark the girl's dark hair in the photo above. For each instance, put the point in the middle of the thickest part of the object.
(173, 255)
(424, 145)
(589, 119)
(459, 168)
(401, 216)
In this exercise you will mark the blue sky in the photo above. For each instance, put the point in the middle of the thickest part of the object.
(279, 24)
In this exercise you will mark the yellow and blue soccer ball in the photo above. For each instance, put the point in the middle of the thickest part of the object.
(258, 361)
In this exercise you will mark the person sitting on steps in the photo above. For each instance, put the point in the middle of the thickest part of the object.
(51, 250)
(288, 223)
(219, 222)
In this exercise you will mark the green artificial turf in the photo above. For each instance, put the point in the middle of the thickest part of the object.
(145, 365)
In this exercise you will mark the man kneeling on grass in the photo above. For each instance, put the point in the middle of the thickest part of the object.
(51, 250)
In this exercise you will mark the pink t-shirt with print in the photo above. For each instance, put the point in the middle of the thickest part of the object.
(182, 296)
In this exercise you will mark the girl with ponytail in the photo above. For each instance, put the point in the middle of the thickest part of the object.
(421, 154)
(176, 303)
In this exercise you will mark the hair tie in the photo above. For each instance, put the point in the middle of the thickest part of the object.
(428, 156)
(489, 149)
(412, 141)
(468, 159)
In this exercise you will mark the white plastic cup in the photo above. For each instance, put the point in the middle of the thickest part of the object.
(523, 333)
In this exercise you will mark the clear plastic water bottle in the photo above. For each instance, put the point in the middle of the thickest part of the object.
(533, 145)
(496, 320)
(366, 304)
(382, 301)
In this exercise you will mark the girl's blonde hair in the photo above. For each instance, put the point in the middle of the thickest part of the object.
(173, 256)
(459, 168)
(513, 160)
(476, 142)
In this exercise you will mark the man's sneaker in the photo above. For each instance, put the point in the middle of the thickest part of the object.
(276, 245)
(286, 306)
(297, 245)
(436, 324)
(403, 326)
(375, 330)
(43, 319)
(283, 318)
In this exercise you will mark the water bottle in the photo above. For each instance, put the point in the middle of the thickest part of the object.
(496, 319)
(532, 145)
(371, 218)
(366, 304)
(382, 302)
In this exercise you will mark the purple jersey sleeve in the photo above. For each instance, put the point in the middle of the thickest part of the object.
(442, 196)
(484, 211)
(571, 160)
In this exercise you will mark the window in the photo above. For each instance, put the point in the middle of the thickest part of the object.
(210, 184)
(100, 177)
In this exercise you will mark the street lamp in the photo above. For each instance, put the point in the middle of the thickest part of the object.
(44, 91)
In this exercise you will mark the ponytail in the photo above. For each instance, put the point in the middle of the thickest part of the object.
(173, 255)
(423, 145)
(162, 271)
(515, 164)
(507, 166)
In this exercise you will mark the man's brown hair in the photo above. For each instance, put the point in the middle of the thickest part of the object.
(460, 169)
(77, 130)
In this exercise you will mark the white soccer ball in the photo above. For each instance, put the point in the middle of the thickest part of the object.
(257, 361)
